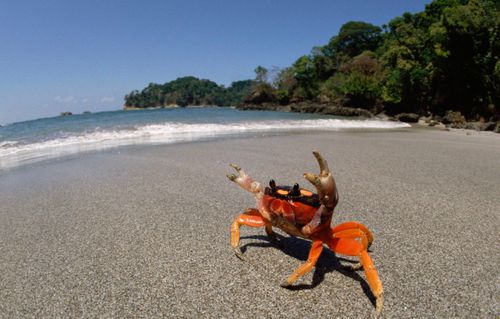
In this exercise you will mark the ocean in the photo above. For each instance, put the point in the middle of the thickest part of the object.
(27, 142)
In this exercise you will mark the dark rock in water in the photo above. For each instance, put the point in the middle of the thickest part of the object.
(263, 107)
(86, 112)
(424, 120)
(407, 117)
(495, 117)
(490, 126)
(310, 107)
(477, 126)
(437, 118)
(384, 117)
(66, 113)
(454, 119)
(348, 111)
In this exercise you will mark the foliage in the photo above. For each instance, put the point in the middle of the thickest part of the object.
(237, 92)
(189, 91)
(444, 58)
(306, 76)
(354, 37)
(359, 81)
(261, 74)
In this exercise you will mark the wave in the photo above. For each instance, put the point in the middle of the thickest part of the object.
(14, 153)
(6, 144)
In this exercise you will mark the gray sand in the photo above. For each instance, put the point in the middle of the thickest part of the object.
(144, 231)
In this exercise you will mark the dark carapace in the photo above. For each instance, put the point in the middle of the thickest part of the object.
(293, 193)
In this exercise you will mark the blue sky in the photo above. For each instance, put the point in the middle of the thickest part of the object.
(86, 55)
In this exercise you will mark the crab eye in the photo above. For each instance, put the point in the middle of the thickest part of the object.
(272, 184)
(295, 190)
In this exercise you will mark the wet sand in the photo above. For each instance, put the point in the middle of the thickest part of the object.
(144, 231)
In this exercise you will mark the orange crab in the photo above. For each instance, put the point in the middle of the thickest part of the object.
(299, 212)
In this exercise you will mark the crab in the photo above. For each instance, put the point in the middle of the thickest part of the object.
(300, 212)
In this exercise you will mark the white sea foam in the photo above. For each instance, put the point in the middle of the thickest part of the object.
(14, 154)
(6, 144)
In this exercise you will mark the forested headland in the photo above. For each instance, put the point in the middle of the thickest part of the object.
(442, 62)
(189, 90)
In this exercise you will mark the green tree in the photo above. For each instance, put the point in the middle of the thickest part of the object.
(260, 74)
(354, 37)
(359, 81)
(189, 90)
(306, 76)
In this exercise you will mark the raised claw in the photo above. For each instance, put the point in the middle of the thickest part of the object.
(324, 183)
(236, 167)
(323, 165)
(245, 181)
(312, 178)
(234, 177)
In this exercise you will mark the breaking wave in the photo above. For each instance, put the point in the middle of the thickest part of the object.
(14, 153)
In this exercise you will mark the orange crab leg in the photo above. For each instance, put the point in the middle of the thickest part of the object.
(353, 233)
(354, 225)
(252, 218)
(314, 253)
(352, 247)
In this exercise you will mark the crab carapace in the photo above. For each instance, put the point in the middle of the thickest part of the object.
(297, 205)
(302, 213)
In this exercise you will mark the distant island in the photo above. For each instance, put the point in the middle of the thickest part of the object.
(439, 65)
(189, 90)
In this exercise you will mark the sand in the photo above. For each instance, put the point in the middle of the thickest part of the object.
(144, 231)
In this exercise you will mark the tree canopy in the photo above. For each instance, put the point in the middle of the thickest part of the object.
(189, 90)
(444, 58)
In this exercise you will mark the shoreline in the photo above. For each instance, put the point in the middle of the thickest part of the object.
(157, 128)
(144, 231)
(413, 128)
(457, 122)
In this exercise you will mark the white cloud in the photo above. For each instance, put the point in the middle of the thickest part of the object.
(65, 99)
(107, 99)
(85, 100)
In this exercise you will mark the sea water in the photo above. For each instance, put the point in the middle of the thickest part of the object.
(37, 140)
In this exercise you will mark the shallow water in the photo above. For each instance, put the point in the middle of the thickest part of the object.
(32, 141)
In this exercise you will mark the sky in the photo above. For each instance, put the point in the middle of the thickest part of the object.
(62, 55)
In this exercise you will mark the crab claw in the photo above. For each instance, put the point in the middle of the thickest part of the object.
(244, 181)
(324, 183)
(233, 177)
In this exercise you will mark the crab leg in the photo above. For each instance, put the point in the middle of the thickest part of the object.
(252, 218)
(314, 253)
(354, 225)
(353, 233)
(346, 245)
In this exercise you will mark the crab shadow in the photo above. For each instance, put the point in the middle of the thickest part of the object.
(328, 262)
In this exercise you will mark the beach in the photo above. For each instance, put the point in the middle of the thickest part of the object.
(143, 231)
